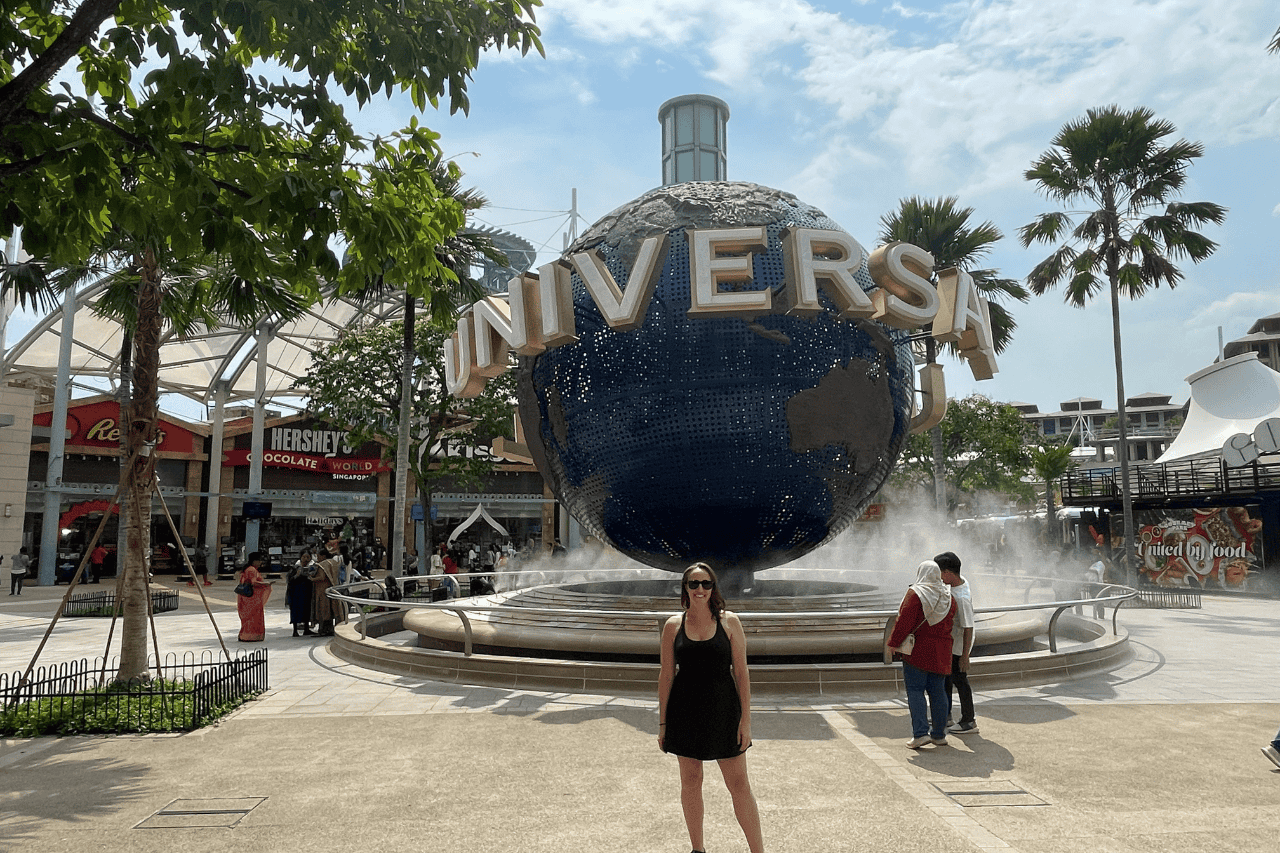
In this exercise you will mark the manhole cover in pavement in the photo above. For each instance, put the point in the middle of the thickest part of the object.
(198, 814)
(988, 792)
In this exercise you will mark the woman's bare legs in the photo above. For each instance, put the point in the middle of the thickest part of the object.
(691, 798)
(734, 771)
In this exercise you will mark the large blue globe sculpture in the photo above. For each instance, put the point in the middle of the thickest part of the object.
(744, 444)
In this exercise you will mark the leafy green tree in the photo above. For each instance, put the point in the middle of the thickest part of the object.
(942, 228)
(356, 382)
(457, 254)
(1051, 462)
(1117, 164)
(201, 159)
(984, 450)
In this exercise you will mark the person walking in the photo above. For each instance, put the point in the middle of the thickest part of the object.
(97, 557)
(961, 645)
(704, 702)
(927, 613)
(19, 563)
(252, 608)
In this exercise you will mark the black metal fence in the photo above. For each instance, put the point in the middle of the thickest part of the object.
(104, 603)
(1184, 478)
(1158, 597)
(79, 698)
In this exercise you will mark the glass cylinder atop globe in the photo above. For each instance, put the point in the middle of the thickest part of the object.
(693, 139)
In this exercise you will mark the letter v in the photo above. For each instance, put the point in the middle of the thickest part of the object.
(623, 312)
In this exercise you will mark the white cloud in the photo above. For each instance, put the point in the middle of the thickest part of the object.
(1235, 312)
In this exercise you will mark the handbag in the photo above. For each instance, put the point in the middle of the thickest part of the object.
(909, 643)
(245, 589)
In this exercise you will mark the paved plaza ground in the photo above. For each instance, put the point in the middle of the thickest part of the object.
(1161, 755)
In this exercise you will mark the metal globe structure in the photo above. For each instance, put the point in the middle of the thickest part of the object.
(742, 443)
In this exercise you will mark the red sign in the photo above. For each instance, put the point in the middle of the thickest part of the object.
(85, 508)
(98, 425)
(310, 462)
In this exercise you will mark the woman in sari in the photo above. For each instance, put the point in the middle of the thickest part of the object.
(253, 622)
(324, 609)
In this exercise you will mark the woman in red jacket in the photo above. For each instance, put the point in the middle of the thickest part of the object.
(927, 611)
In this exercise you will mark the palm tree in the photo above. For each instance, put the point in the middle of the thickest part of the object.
(144, 292)
(1051, 462)
(457, 253)
(941, 227)
(1116, 162)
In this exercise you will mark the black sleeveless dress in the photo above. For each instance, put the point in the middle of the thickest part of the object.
(703, 710)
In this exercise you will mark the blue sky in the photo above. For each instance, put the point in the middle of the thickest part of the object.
(853, 105)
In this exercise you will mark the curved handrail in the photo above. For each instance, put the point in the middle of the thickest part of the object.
(1120, 595)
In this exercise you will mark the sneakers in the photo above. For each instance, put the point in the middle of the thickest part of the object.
(1272, 754)
(206, 583)
(917, 742)
(938, 741)
(969, 728)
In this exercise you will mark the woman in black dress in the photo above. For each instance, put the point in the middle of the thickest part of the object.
(704, 702)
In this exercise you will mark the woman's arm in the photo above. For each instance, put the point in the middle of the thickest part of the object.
(909, 615)
(741, 675)
(667, 657)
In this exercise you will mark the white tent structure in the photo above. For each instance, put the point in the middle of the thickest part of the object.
(1231, 397)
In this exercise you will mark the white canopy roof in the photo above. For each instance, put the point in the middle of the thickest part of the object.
(1232, 396)
(192, 366)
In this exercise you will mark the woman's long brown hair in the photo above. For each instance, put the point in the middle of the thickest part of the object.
(716, 602)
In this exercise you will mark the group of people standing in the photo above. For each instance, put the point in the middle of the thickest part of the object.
(937, 614)
(306, 584)
(704, 685)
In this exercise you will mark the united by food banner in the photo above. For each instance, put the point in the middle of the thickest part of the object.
(1212, 548)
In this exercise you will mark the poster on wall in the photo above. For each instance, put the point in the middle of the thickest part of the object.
(1211, 548)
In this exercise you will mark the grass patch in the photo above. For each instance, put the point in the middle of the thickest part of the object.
(157, 706)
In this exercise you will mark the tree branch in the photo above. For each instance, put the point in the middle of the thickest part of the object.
(82, 27)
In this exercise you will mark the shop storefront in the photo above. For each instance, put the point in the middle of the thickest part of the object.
(313, 481)
(91, 472)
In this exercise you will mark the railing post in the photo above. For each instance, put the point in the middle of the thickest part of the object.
(888, 632)
(1053, 627)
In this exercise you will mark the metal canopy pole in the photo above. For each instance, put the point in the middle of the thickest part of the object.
(213, 513)
(253, 526)
(49, 529)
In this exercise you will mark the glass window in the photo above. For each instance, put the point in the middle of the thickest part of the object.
(706, 165)
(667, 124)
(684, 166)
(684, 125)
(1049, 427)
(706, 126)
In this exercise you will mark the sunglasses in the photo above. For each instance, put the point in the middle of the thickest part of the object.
(703, 584)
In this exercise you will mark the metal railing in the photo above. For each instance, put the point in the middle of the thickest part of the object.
(1113, 595)
(104, 603)
(1187, 477)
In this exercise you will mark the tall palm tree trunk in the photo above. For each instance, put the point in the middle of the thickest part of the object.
(142, 436)
(939, 471)
(1122, 448)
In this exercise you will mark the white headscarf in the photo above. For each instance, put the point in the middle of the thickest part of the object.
(934, 595)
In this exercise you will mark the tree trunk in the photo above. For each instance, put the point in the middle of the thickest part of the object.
(124, 395)
(142, 437)
(402, 440)
(939, 473)
(1122, 448)
(1051, 521)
